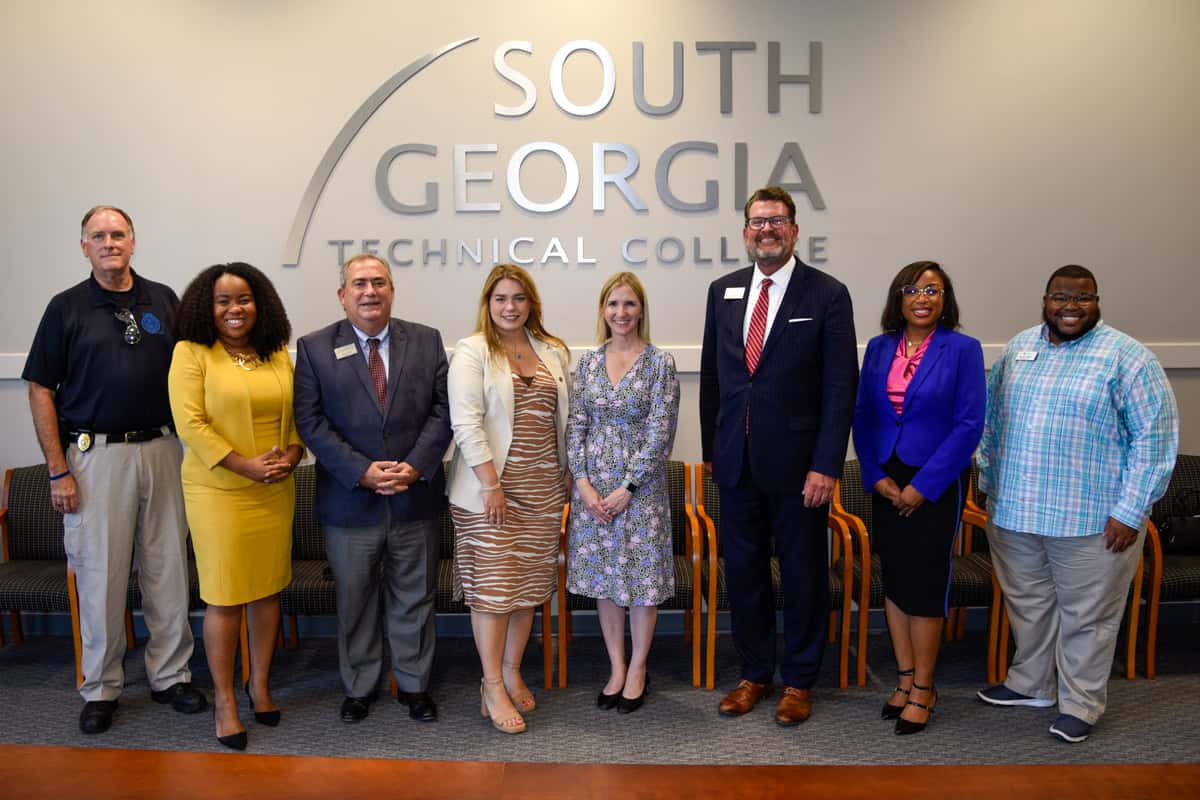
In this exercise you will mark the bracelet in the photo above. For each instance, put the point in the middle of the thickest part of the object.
(490, 488)
(62, 474)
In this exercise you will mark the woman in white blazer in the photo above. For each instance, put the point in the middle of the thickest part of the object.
(508, 479)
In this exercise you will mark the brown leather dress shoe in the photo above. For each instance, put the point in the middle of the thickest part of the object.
(744, 697)
(794, 706)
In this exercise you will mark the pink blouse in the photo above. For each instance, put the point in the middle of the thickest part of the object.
(902, 370)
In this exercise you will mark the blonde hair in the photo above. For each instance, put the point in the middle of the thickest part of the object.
(534, 324)
(603, 332)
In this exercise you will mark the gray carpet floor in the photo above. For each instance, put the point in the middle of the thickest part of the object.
(1147, 721)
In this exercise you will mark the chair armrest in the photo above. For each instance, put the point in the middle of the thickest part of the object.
(710, 528)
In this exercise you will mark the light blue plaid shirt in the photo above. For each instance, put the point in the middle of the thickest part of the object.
(1076, 433)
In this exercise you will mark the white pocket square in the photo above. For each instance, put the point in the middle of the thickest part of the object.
(800, 319)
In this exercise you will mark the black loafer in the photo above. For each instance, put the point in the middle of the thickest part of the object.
(355, 709)
(420, 705)
(183, 698)
(97, 716)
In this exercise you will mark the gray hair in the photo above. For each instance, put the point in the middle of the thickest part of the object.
(91, 212)
(361, 257)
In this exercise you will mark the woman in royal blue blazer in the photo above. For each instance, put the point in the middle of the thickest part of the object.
(917, 421)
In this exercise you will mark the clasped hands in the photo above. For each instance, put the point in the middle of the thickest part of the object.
(389, 477)
(603, 509)
(906, 500)
(269, 467)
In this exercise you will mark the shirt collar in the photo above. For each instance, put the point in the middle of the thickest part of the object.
(99, 295)
(383, 336)
(779, 278)
(1044, 336)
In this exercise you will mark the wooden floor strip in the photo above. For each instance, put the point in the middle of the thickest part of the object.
(93, 774)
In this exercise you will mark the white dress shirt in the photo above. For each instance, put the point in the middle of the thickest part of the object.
(775, 292)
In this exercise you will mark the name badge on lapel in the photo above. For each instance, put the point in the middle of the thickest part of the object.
(345, 351)
(735, 292)
(1027, 355)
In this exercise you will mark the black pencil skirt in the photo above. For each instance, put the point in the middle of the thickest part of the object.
(916, 551)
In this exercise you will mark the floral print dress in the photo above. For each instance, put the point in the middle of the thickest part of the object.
(614, 433)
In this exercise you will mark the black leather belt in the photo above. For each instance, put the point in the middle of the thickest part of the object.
(86, 439)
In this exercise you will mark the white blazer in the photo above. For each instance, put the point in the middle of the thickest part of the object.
(481, 412)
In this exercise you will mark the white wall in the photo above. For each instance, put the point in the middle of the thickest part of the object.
(1001, 137)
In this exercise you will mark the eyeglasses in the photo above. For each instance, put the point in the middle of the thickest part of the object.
(908, 290)
(133, 334)
(1063, 299)
(758, 223)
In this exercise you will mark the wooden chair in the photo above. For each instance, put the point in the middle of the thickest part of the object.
(708, 510)
(34, 575)
(1168, 577)
(685, 546)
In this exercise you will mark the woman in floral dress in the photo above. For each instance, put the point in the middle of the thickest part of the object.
(624, 409)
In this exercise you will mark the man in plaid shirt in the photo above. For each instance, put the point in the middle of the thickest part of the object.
(1080, 440)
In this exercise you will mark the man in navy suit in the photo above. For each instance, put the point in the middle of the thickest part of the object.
(371, 404)
(778, 375)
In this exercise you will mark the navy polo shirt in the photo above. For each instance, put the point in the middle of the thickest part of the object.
(102, 383)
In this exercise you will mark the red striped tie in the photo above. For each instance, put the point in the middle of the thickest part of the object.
(375, 367)
(758, 327)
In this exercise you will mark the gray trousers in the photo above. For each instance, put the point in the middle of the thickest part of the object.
(1065, 597)
(130, 505)
(386, 578)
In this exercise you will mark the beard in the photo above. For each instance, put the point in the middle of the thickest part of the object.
(1089, 322)
(770, 255)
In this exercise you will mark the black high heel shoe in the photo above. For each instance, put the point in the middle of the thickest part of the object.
(890, 711)
(234, 741)
(607, 701)
(628, 705)
(904, 726)
(268, 718)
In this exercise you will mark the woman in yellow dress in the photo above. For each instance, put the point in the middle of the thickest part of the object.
(231, 396)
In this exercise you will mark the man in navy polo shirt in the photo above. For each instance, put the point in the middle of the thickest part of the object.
(97, 374)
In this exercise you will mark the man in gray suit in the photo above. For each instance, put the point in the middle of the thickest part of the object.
(370, 401)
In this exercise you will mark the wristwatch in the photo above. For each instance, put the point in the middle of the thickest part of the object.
(629, 486)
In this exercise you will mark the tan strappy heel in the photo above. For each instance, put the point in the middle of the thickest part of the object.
(513, 724)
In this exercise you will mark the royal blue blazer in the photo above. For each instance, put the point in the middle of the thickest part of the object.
(941, 421)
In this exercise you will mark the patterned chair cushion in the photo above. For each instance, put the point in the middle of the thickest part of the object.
(971, 580)
(311, 592)
(1181, 573)
(444, 602)
(35, 529)
(308, 541)
(34, 586)
(1181, 578)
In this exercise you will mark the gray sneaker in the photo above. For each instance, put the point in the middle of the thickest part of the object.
(1001, 695)
(1070, 729)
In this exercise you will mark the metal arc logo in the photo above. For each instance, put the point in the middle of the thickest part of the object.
(316, 185)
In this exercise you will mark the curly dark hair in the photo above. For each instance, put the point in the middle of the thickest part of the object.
(892, 320)
(194, 322)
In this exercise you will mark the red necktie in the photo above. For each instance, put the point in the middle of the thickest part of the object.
(758, 327)
(375, 367)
